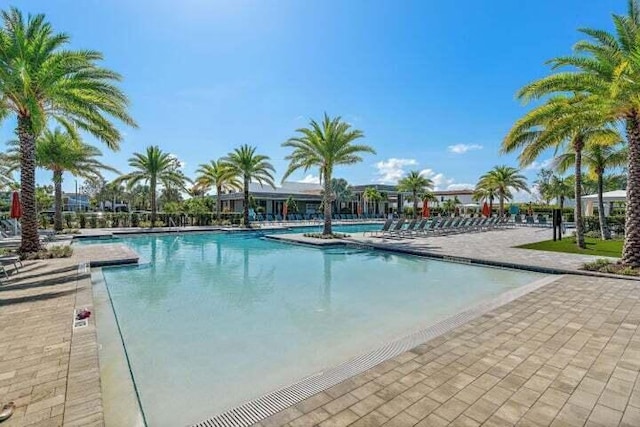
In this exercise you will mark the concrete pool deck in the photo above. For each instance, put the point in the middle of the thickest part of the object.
(565, 354)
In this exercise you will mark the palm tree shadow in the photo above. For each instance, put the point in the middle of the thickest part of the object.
(34, 298)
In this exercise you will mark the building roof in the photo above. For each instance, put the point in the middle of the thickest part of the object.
(609, 196)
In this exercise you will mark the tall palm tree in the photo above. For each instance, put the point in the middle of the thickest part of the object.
(42, 79)
(504, 179)
(597, 158)
(153, 167)
(607, 68)
(340, 192)
(563, 122)
(417, 185)
(325, 145)
(60, 152)
(371, 195)
(220, 175)
(248, 166)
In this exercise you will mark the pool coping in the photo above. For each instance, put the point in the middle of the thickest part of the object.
(271, 403)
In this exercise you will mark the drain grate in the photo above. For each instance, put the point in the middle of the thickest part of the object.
(274, 402)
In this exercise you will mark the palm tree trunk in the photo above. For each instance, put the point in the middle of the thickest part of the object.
(57, 182)
(415, 204)
(490, 206)
(605, 233)
(631, 248)
(561, 204)
(152, 190)
(326, 201)
(501, 204)
(578, 145)
(30, 241)
(218, 203)
(245, 207)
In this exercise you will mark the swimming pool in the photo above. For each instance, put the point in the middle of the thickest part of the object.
(214, 320)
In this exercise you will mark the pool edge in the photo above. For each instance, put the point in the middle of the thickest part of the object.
(271, 403)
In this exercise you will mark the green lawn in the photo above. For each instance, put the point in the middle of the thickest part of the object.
(597, 247)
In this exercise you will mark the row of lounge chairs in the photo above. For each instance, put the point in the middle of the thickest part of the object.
(438, 226)
(315, 217)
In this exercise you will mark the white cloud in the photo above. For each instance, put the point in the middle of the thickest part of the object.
(439, 180)
(310, 179)
(460, 186)
(463, 148)
(539, 165)
(391, 170)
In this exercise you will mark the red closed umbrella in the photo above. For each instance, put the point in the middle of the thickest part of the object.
(16, 207)
(425, 209)
(284, 210)
(485, 210)
(16, 210)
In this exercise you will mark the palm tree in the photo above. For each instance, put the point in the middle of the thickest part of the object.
(340, 192)
(562, 122)
(559, 188)
(606, 67)
(325, 145)
(60, 152)
(139, 195)
(248, 166)
(504, 179)
(598, 158)
(41, 79)
(153, 167)
(485, 192)
(220, 175)
(371, 195)
(417, 185)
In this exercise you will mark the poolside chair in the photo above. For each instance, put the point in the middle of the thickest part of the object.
(385, 228)
(529, 220)
(433, 223)
(409, 230)
(420, 228)
(393, 231)
(9, 260)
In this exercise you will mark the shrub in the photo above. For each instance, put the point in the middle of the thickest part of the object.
(82, 219)
(615, 223)
(68, 219)
(93, 221)
(58, 251)
(135, 220)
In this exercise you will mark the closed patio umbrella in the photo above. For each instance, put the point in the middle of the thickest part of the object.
(485, 210)
(284, 211)
(425, 209)
(16, 210)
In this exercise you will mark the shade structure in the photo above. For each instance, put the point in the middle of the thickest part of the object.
(485, 210)
(425, 209)
(16, 208)
(284, 210)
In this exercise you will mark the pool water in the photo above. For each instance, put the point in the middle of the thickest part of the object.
(214, 320)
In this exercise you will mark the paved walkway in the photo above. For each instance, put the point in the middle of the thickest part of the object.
(47, 367)
(493, 246)
(567, 354)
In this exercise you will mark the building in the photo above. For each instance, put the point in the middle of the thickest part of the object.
(75, 202)
(308, 198)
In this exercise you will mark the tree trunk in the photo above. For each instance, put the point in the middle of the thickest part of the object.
(561, 204)
(490, 206)
(578, 145)
(57, 182)
(605, 233)
(152, 190)
(326, 201)
(501, 204)
(30, 240)
(631, 248)
(245, 207)
(415, 204)
(218, 203)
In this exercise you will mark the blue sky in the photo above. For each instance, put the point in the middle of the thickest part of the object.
(431, 83)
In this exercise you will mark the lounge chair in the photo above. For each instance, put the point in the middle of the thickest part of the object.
(385, 228)
(395, 230)
(9, 260)
(409, 230)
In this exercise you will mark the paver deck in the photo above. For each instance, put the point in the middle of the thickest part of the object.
(567, 354)
(48, 368)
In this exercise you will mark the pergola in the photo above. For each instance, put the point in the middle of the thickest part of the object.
(609, 197)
